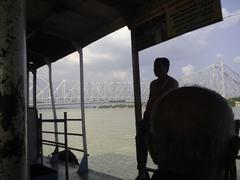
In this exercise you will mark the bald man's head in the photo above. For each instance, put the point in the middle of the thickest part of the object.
(191, 129)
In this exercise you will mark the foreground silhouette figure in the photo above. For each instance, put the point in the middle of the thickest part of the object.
(158, 88)
(192, 136)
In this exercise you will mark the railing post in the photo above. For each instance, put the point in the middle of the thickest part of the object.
(34, 88)
(40, 134)
(66, 145)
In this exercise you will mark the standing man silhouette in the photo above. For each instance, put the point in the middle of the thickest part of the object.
(158, 88)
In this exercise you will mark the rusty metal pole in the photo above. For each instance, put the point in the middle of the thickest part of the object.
(13, 96)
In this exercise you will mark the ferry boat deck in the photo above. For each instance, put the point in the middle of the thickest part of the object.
(59, 167)
(35, 33)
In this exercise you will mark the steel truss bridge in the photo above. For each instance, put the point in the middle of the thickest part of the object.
(218, 77)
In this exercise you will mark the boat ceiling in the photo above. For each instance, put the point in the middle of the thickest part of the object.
(56, 27)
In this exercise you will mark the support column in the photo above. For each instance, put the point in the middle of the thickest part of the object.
(84, 163)
(13, 95)
(53, 106)
(136, 81)
(28, 83)
(34, 88)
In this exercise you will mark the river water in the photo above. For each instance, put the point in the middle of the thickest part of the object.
(110, 138)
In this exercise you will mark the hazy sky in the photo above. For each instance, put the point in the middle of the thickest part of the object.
(109, 59)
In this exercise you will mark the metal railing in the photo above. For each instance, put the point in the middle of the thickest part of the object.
(58, 144)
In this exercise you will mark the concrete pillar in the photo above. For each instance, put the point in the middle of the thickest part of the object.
(13, 151)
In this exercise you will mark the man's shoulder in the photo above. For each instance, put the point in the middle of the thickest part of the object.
(155, 81)
(169, 81)
(172, 80)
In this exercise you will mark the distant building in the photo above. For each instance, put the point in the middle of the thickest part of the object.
(237, 103)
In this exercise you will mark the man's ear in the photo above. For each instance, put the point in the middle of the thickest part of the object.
(232, 153)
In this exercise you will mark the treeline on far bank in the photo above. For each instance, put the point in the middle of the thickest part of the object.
(232, 101)
(117, 106)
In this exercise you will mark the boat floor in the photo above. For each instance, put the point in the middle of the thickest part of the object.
(73, 174)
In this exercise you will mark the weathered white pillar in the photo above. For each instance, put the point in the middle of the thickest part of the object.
(13, 151)
(84, 163)
(53, 105)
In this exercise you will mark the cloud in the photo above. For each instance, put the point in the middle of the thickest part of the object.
(92, 55)
(237, 59)
(123, 37)
(72, 58)
(95, 55)
(121, 75)
(232, 18)
(116, 75)
(219, 56)
(109, 59)
(200, 36)
(225, 12)
(119, 38)
(187, 70)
